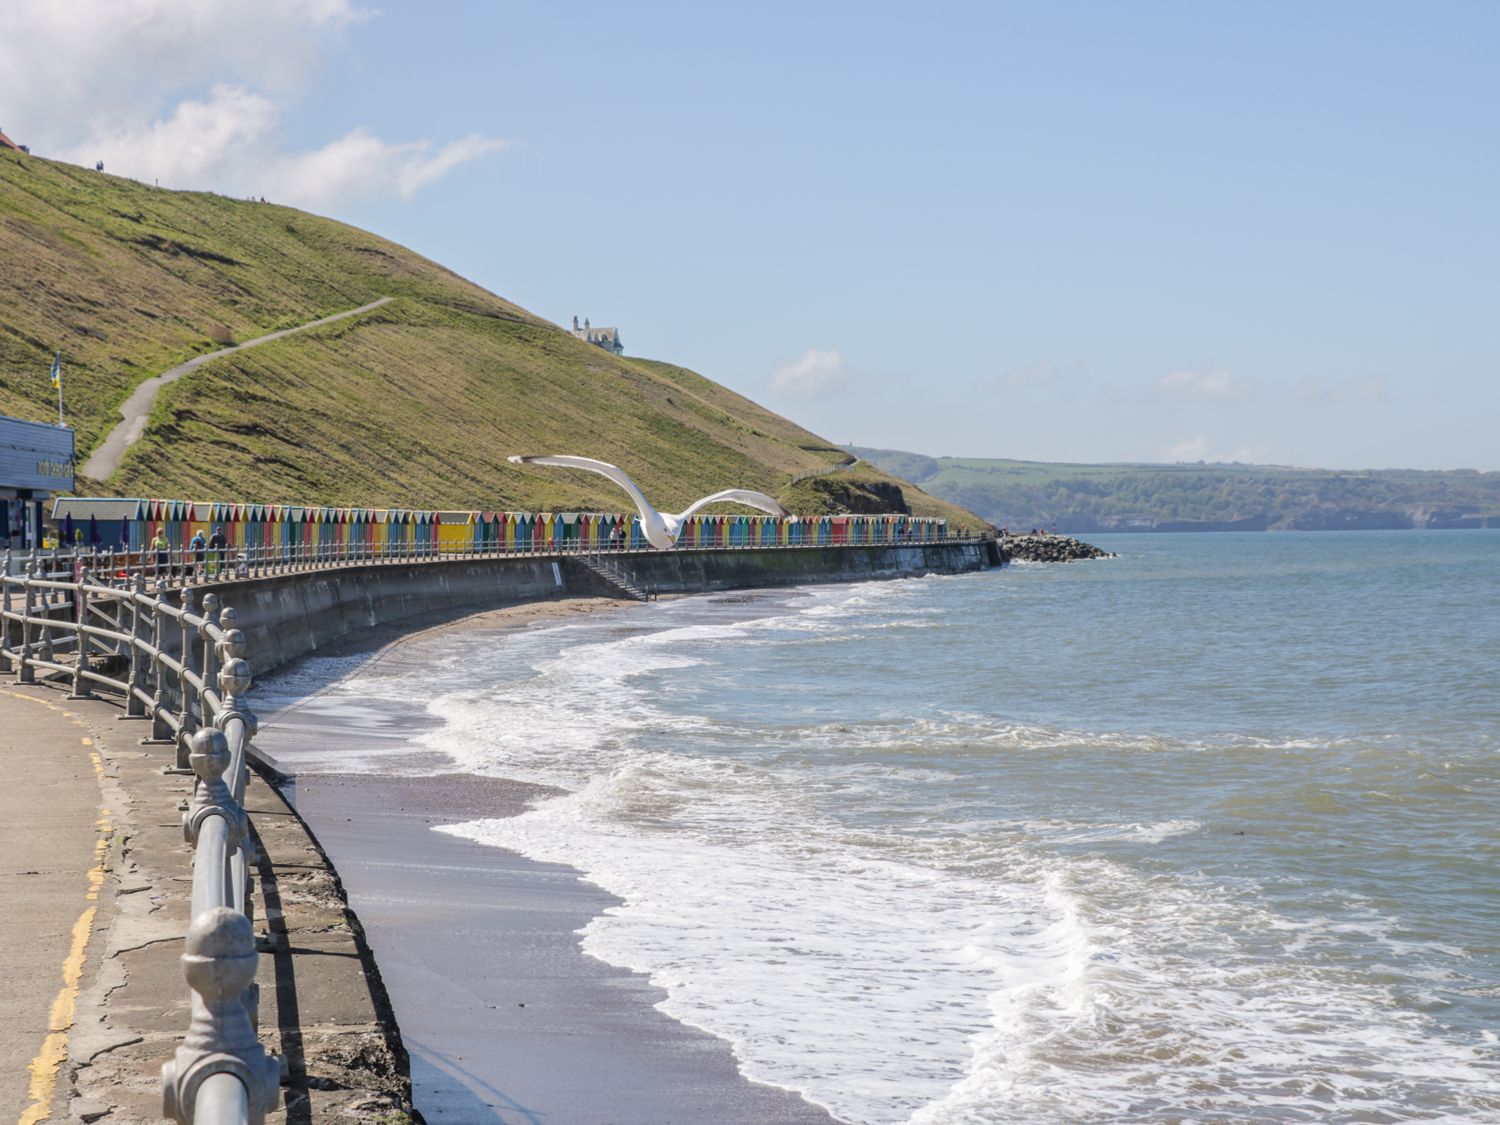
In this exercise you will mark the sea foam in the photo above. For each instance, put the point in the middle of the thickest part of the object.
(864, 900)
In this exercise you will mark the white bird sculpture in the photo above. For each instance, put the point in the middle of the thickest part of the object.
(661, 529)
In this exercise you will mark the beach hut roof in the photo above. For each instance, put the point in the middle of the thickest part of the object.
(102, 507)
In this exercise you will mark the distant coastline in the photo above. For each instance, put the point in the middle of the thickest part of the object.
(1116, 498)
(1352, 521)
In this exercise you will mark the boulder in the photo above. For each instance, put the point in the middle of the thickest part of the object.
(1042, 547)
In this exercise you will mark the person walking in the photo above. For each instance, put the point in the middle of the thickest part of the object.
(163, 552)
(216, 544)
(199, 546)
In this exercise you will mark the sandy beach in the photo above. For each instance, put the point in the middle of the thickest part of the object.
(505, 1018)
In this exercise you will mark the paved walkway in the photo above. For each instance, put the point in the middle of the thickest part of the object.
(53, 839)
(137, 408)
(95, 890)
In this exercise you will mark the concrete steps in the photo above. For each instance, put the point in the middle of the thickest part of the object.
(612, 574)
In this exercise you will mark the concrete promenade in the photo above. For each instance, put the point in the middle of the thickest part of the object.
(95, 891)
(53, 824)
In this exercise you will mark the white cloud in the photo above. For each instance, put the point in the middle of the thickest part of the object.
(190, 93)
(1341, 392)
(81, 67)
(818, 372)
(1199, 448)
(1215, 385)
(196, 143)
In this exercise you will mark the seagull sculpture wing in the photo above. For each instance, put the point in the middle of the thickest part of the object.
(739, 496)
(660, 529)
(653, 527)
(603, 468)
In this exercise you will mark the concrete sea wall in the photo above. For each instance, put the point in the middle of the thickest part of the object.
(686, 572)
(286, 617)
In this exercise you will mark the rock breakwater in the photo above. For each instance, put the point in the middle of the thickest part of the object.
(1041, 547)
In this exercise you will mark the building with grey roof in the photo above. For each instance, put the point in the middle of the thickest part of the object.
(36, 460)
(606, 338)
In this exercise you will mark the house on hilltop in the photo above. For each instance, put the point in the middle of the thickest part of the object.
(606, 338)
(6, 142)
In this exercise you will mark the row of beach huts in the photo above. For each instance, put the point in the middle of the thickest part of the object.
(132, 524)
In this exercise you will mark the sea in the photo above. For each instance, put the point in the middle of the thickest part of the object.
(1209, 831)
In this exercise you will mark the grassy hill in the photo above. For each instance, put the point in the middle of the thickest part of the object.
(415, 404)
(1201, 497)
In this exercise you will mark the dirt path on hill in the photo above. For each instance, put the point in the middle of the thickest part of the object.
(137, 408)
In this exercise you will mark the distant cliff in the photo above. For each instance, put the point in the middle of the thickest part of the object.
(1199, 497)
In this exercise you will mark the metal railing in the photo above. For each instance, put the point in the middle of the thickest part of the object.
(181, 667)
(837, 467)
(613, 568)
(87, 618)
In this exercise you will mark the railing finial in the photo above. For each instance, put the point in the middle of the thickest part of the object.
(209, 757)
(234, 674)
(210, 611)
(220, 962)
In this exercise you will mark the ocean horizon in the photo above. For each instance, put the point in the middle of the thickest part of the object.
(1204, 832)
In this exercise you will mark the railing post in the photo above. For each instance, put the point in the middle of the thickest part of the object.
(208, 755)
(185, 722)
(26, 674)
(206, 663)
(220, 962)
(48, 653)
(135, 707)
(81, 689)
(161, 730)
(5, 661)
(234, 682)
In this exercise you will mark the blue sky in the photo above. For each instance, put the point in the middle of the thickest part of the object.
(1061, 231)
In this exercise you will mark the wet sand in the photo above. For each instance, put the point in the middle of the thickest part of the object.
(505, 1018)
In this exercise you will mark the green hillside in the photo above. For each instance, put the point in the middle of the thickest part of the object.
(1201, 497)
(415, 404)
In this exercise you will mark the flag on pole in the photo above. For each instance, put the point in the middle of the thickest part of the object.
(57, 372)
